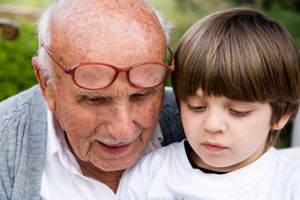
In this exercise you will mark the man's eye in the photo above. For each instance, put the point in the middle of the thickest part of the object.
(140, 96)
(94, 100)
(196, 108)
(239, 113)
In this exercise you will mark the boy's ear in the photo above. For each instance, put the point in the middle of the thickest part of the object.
(46, 88)
(282, 122)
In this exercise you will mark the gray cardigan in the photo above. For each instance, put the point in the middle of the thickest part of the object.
(23, 135)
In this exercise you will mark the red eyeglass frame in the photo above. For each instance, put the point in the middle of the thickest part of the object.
(71, 70)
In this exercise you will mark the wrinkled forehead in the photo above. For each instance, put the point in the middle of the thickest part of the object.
(103, 30)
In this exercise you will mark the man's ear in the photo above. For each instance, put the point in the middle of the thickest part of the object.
(47, 88)
(282, 122)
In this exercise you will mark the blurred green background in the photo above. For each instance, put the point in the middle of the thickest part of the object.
(16, 72)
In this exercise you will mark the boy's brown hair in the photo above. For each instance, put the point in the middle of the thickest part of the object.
(244, 56)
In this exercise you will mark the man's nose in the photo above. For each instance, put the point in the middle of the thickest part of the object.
(215, 122)
(123, 125)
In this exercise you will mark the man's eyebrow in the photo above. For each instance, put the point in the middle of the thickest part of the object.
(97, 95)
(149, 90)
(90, 94)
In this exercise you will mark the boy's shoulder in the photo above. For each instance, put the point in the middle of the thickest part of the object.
(150, 167)
(287, 171)
(286, 175)
(163, 154)
(291, 152)
(287, 163)
(157, 160)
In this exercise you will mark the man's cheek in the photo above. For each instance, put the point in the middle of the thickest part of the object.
(150, 115)
(80, 121)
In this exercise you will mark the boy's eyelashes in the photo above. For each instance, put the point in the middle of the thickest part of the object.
(234, 112)
(239, 113)
(196, 108)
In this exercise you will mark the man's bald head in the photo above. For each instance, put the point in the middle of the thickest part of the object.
(95, 25)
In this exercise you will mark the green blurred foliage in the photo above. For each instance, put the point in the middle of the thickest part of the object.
(293, 5)
(289, 19)
(285, 12)
(16, 72)
(183, 13)
(35, 3)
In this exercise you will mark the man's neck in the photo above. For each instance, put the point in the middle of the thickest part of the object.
(111, 179)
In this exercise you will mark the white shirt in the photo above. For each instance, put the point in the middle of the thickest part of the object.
(62, 177)
(168, 174)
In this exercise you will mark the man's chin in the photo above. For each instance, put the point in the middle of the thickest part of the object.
(117, 165)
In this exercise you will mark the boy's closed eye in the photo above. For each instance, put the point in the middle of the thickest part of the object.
(234, 112)
(196, 108)
(238, 113)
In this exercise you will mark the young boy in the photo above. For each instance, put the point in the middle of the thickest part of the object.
(237, 83)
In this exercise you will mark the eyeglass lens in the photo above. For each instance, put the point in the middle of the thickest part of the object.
(148, 75)
(94, 76)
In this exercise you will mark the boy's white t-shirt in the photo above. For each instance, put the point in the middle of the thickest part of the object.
(167, 174)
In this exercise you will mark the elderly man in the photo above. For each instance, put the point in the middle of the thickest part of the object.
(102, 113)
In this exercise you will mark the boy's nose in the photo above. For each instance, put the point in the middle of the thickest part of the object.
(215, 123)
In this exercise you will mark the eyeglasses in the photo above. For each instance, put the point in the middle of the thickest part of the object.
(95, 76)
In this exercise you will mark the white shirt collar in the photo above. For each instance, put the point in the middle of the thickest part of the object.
(57, 146)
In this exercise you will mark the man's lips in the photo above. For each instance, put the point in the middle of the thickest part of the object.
(213, 147)
(115, 148)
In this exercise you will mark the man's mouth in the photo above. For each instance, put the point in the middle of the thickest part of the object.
(115, 148)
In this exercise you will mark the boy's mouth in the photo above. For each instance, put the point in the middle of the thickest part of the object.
(213, 147)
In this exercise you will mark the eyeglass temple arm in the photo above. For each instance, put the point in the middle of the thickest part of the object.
(54, 58)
